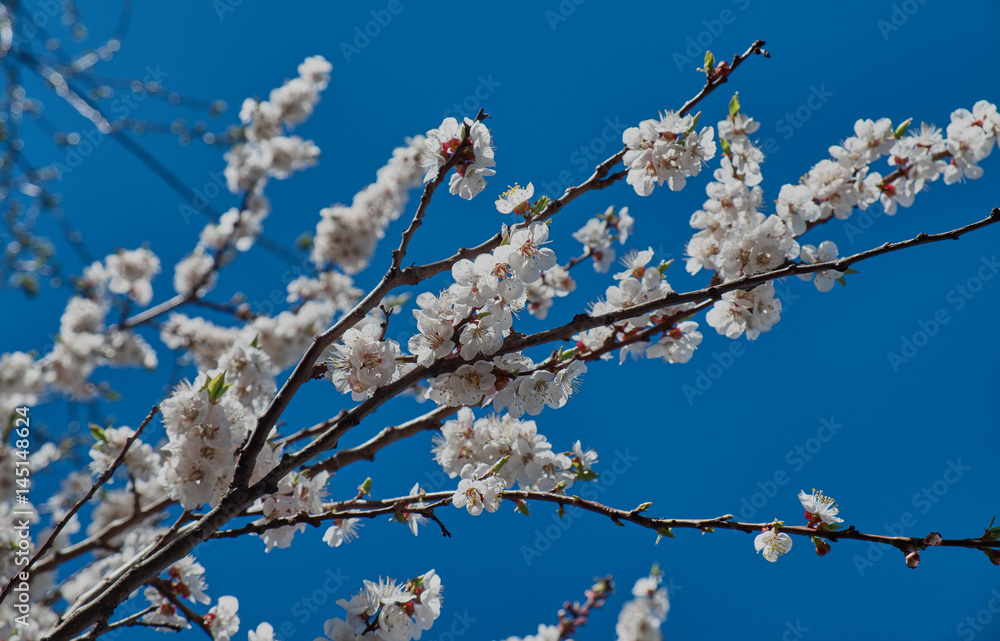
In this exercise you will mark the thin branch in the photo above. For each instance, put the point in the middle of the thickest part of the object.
(430, 501)
(101, 480)
(714, 80)
(304, 369)
(164, 589)
(725, 522)
(400, 253)
(598, 180)
(97, 540)
(582, 322)
(366, 451)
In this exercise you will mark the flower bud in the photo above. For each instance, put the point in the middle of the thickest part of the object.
(822, 546)
(934, 538)
(912, 559)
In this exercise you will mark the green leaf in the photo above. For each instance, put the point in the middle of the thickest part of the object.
(365, 487)
(734, 105)
(901, 129)
(667, 532)
(617, 522)
(539, 205)
(726, 147)
(842, 281)
(643, 507)
(709, 63)
(499, 464)
(586, 475)
(694, 123)
(254, 344)
(217, 386)
(522, 507)
(567, 354)
(98, 433)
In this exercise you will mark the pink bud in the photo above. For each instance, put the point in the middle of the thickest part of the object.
(934, 538)
(912, 560)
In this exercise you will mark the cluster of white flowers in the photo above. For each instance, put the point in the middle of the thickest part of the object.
(746, 312)
(140, 460)
(554, 283)
(332, 286)
(480, 489)
(601, 231)
(347, 235)
(187, 581)
(826, 252)
(282, 338)
(735, 239)
(203, 340)
(362, 361)
(821, 513)
(834, 187)
(479, 307)
(531, 462)
(205, 425)
(510, 383)
(667, 150)
(474, 163)
(126, 272)
(21, 382)
(236, 231)
(388, 611)
(250, 373)
(286, 336)
(640, 619)
(84, 342)
(223, 619)
(296, 493)
(267, 152)
(637, 284)
(164, 612)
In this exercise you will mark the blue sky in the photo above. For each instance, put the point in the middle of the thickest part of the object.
(904, 447)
